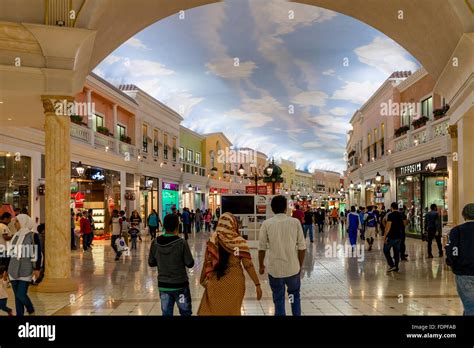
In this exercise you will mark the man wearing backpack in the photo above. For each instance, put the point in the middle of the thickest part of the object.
(433, 229)
(370, 222)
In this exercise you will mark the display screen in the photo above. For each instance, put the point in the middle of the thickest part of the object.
(238, 204)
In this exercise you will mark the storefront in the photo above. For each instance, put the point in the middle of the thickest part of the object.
(193, 198)
(170, 197)
(418, 186)
(97, 189)
(148, 196)
(15, 180)
(215, 197)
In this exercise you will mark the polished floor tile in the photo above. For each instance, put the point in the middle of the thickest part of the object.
(333, 282)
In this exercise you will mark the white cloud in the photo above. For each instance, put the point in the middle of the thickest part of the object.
(313, 98)
(356, 92)
(329, 72)
(338, 111)
(327, 136)
(385, 55)
(311, 144)
(182, 102)
(145, 68)
(249, 120)
(112, 59)
(331, 124)
(265, 104)
(225, 68)
(137, 43)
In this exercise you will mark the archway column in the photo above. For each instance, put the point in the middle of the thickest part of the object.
(58, 217)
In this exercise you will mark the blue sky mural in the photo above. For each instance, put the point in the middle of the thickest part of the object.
(280, 77)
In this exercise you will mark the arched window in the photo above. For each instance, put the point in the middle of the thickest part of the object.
(212, 156)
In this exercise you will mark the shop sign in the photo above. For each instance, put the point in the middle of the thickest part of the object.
(410, 169)
(261, 190)
(98, 176)
(170, 186)
(439, 183)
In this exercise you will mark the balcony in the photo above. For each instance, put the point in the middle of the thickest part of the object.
(84, 135)
(415, 137)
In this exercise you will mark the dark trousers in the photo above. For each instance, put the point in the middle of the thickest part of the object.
(3, 305)
(186, 230)
(73, 239)
(86, 241)
(320, 226)
(395, 244)
(152, 231)
(134, 243)
(293, 285)
(113, 240)
(20, 288)
(208, 227)
(181, 297)
(436, 237)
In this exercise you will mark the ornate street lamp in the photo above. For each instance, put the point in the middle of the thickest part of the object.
(226, 174)
(213, 171)
(432, 165)
(273, 175)
(378, 177)
(241, 170)
(351, 185)
(80, 168)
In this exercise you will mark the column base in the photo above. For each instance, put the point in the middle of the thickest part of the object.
(56, 285)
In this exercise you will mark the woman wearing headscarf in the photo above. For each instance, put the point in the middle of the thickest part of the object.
(460, 256)
(25, 262)
(222, 275)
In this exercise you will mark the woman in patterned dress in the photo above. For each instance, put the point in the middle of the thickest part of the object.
(222, 274)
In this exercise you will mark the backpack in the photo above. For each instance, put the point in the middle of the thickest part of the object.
(371, 219)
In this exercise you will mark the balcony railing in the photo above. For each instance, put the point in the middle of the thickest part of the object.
(84, 134)
(414, 137)
(80, 133)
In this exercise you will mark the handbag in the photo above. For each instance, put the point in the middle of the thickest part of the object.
(121, 245)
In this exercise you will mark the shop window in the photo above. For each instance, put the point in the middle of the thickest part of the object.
(15, 182)
(427, 107)
(181, 153)
(382, 147)
(375, 150)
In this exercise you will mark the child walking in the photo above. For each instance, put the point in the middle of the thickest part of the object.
(4, 294)
(134, 233)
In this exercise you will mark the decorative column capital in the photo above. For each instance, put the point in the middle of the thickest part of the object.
(453, 131)
(56, 104)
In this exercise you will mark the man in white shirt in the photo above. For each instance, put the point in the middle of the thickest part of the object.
(282, 238)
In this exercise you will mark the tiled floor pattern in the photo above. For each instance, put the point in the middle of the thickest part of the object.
(332, 283)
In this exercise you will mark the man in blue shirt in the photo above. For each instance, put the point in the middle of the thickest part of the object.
(353, 223)
(186, 219)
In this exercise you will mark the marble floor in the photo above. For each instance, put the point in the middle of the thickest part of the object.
(333, 282)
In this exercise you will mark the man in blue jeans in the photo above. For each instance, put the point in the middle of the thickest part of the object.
(172, 256)
(282, 238)
(393, 237)
(460, 256)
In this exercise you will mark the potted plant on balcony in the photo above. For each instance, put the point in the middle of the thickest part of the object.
(103, 130)
(401, 131)
(125, 139)
(420, 122)
(440, 113)
(77, 119)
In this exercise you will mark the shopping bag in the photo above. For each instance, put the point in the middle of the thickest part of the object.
(121, 245)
